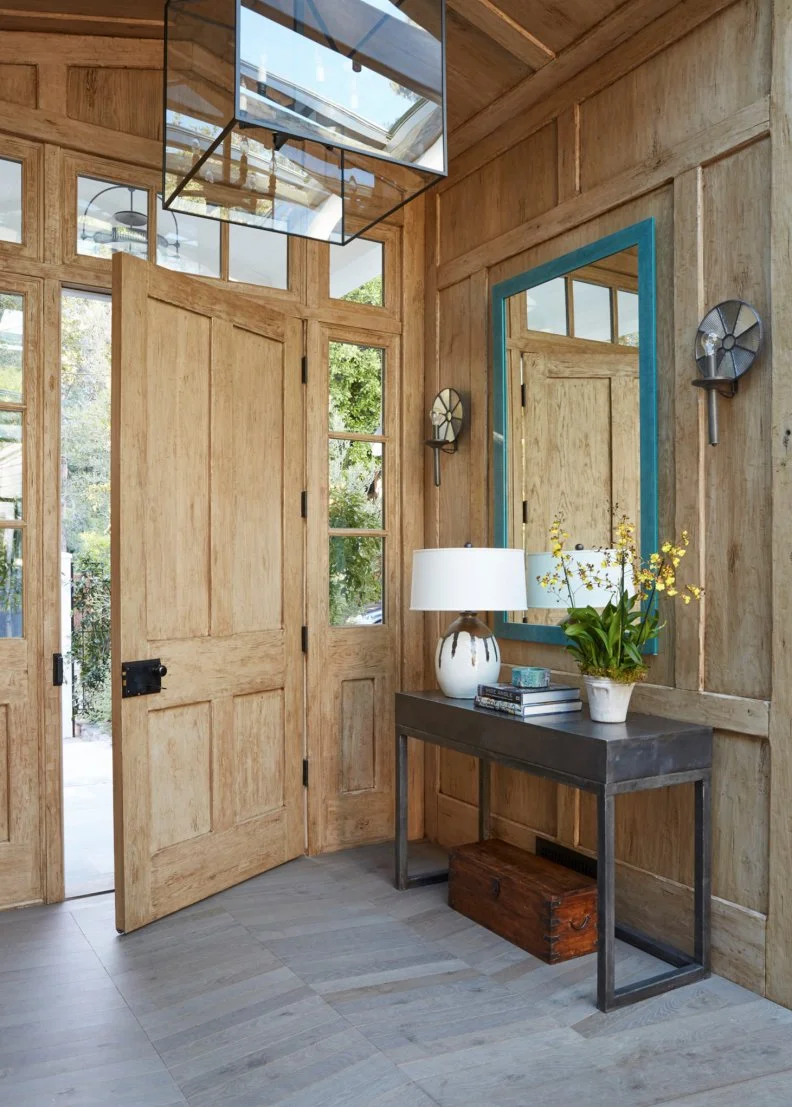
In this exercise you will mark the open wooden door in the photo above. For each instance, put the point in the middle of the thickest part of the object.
(207, 570)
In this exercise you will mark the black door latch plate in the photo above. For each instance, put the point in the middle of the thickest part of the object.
(142, 678)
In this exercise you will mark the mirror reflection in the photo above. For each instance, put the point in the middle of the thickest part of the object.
(573, 409)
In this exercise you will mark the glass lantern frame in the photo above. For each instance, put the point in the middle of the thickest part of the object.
(244, 125)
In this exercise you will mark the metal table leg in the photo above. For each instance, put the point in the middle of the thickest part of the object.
(686, 969)
(606, 901)
(484, 800)
(403, 879)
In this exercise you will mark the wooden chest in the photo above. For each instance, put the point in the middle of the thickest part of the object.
(544, 908)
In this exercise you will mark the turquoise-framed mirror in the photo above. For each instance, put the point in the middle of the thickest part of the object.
(575, 406)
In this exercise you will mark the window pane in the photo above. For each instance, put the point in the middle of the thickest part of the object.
(111, 218)
(187, 243)
(10, 201)
(258, 257)
(10, 583)
(356, 485)
(10, 465)
(356, 597)
(12, 347)
(356, 272)
(547, 307)
(592, 311)
(627, 304)
(356, 374)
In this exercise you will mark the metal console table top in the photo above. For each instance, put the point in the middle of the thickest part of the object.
(606, 759)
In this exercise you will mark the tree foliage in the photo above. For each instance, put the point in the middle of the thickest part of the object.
(85, 485)
(356, 398)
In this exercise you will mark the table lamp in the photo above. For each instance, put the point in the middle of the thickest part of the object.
(468, 580)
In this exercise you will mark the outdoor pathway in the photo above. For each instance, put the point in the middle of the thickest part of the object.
(319, 985)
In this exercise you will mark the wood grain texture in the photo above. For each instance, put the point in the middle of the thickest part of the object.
(695, 170)
(192, 817)
(540, 907)
(19, 84)
(779, 953)
(358, 745)
(127, 100)
(738, 472)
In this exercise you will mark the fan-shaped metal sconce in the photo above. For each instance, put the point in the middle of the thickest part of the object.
(447, 416)
(727, 343)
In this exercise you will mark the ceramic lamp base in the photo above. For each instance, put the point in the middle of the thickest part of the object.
(467, 655)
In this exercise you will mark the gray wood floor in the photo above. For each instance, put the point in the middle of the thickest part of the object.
(318, 985)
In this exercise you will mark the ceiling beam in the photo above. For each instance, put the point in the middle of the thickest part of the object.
(507, 32)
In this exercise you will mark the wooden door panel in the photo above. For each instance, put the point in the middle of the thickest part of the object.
(209, 771)
(353, 669)
(22, 812)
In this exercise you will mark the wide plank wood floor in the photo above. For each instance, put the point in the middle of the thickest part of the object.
(319, 985)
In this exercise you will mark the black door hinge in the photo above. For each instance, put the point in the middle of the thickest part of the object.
(57, 669)
(523, 394)
(305, 369)
(304, 504)
(525, 511)
(305, 639)
(305, 772)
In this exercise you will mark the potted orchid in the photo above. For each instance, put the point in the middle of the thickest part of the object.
(607, 642)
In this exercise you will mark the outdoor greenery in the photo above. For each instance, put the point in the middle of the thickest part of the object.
(355, 478)
(11, 339)
(85, 452)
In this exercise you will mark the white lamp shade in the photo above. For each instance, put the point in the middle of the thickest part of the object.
(540, 564)
(468, 579)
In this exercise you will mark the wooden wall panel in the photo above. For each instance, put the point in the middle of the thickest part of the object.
(19, 84)
(737, 474)
(660, 103)
(622, 154)
(516, 186)
(128, 100)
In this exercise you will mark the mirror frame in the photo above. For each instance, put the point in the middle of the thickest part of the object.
(641, 235)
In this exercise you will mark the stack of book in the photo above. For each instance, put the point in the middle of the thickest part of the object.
(555, 699)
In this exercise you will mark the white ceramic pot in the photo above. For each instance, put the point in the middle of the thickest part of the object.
(608, 700)
(467, 655)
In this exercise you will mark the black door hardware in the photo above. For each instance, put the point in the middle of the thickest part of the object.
(142, 678)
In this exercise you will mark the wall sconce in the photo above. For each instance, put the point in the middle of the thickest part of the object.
(727, 343)
(446, 416)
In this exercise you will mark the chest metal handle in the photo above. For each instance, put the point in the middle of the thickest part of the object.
(495, 887)
(581, 925)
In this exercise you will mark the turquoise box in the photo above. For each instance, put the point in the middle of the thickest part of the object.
(530, 676)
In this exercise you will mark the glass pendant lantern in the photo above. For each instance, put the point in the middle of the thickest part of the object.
(310, 117)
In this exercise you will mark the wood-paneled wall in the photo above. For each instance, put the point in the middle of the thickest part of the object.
(677, 129)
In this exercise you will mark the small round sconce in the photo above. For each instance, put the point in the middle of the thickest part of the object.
(727, 343)
(446, 415)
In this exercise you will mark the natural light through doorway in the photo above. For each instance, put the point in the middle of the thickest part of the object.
(85, 592)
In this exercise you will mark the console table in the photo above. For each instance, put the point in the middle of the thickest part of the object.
(603, 758)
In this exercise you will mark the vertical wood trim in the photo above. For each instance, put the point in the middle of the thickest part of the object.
(779, 922)
(52, 725)
(52, 87)
(411, 491)
(479, 415)
(689, 406)
(127, 510)
(49, 211)
(316, 575)
(568, 141)
(432, 498)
